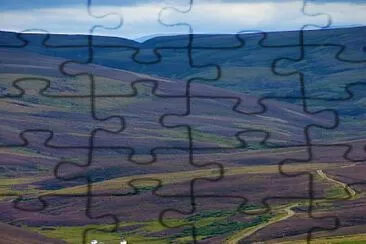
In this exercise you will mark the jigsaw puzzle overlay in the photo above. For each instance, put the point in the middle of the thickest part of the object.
(251, 137)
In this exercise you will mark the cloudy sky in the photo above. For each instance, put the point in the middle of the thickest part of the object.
(139, 18)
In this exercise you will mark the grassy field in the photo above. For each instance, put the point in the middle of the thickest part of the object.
(170, 178)
(66, 109)
(209, 223)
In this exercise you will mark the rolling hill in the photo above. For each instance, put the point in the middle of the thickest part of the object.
(16, 235)
(147, 118)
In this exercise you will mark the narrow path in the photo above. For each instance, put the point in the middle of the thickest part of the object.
(235, 238)
(352, 193)
(349, 165)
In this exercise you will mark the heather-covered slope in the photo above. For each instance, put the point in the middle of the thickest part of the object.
(17, 235)
(250, 172)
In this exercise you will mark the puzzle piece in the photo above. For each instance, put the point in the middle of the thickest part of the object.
(73, 210)
(189, 228)
(42, 42)
(226, 136)
(303, 78)
(237, 121)
(315, 194)
(284, 229)
(11, 40)
(344, 192)
(33, 155)
(127, 10)
(217, 218)
(150, 51)
(239, 15)
(354, 47)
(347, 208)
(36, 150)
(122, 184)
(312, 72)
(114, 165)
(304, 142)
(141, 53)
(315, 20)
(262, 199)
(354, 150)
(245, 69)
(147, 122)
(39, 192)
(351, 154)
(47, 68)
(49, 21)
(119, 82)
(31, 101)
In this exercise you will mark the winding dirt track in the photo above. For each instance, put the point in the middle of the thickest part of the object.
(250, 231)
(289, 212)
(352, 193)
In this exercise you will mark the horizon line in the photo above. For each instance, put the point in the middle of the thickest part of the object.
(145, 38)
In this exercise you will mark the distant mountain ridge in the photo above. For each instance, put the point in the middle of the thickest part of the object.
(168, 57)
(14, 39)
(245, 62)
